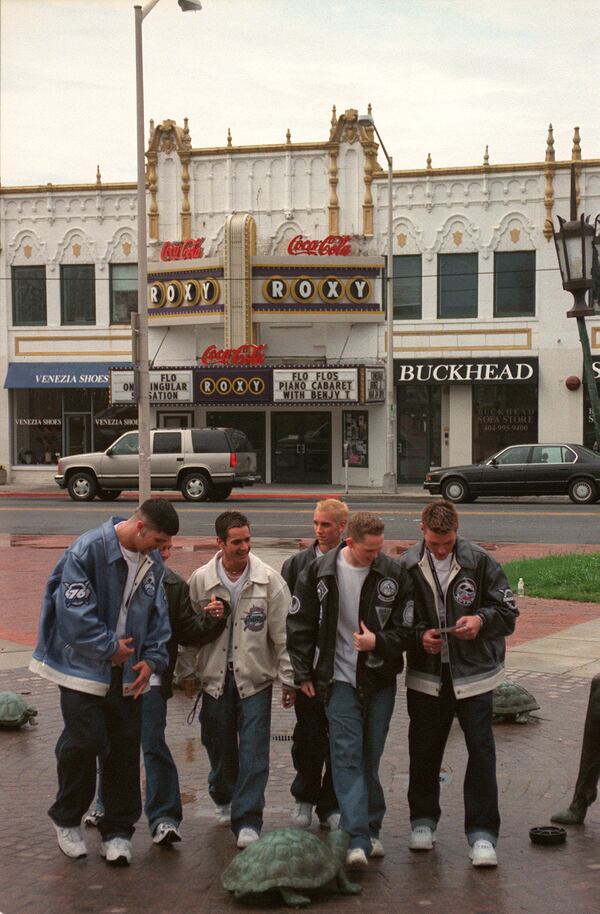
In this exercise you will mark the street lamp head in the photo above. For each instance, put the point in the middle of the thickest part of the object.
(574, 243)
(365, 120)
(190, 6)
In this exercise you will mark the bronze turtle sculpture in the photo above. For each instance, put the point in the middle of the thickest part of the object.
(288, 859)
(14, 711)
(512, 702)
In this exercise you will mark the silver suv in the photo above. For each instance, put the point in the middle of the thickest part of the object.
(203, 463)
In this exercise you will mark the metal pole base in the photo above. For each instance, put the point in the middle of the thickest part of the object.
(389, 484)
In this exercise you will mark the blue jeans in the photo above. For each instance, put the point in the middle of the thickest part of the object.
(163, 800)
(310, 754)
(358, 730)
(430, 722)
(236, 733)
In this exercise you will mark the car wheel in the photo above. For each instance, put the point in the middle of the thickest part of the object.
(82, 486)
(108, 494)
(455, 489)
(220, 493)
(582, 491)
(196, 487)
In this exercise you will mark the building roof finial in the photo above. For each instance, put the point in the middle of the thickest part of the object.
(98, 175)
(288, 137)
(550, 144)
(333, 117)
(576, 152)
(428, 161)
(486, 156)
(229, 136)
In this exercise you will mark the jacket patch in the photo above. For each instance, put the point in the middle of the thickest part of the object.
(408, 616)
(387, 589)
(373, 661)
(255, 619)
(383, 614)
(294, 606)
(77, 593)
(509, 598)
(322, 590)
(149, 584)
(465, 592)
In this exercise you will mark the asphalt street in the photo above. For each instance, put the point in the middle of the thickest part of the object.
(490, 521)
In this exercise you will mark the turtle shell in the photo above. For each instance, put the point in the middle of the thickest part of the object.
(14, 711)
(511, 699)
(288, 857)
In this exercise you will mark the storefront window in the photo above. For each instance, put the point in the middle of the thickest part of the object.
(457, 285)
(38, 426)
(110, 422)
(77, 294)
(356, 438)
(407, 287)
(514, 283)
(123, 292)
(29, 295)
(503, 415)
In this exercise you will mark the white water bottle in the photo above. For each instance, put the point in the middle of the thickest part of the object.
(520, 587)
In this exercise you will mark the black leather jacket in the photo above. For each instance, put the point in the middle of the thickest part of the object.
(386, 607)
(189, 627)
(477, 586)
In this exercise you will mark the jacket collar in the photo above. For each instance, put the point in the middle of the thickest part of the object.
(464, 554)
(258, 571)
(112, 545)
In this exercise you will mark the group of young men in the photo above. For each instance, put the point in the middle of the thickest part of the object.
(333, 628)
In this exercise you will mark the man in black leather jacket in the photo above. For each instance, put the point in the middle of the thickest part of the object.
(464, 609)
(350, 620)
(313, 784)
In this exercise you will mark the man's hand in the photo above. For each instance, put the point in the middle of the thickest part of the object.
(308, 689)
(143, 678)
(215, 608)
(468, 627)
(366, 640)
(189, 686)
(288, 696)
(122, 652)
(432, 641)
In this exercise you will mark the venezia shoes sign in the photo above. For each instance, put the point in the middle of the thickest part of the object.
(466, 371)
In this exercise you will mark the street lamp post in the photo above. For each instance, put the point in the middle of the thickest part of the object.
(574, 242)
(389, 477)
(140, 325)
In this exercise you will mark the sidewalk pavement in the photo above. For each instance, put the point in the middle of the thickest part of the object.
(554, 653)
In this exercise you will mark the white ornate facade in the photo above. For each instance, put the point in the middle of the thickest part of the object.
(332, 187)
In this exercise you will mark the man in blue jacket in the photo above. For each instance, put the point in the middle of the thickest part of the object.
(103, 631)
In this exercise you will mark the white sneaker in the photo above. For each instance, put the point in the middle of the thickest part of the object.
(116, 850)
(70, 841)
(356, 859)
(376, 848)
(223, 814)
(332, 821)
(166, 833)
(483, 853)
(422, 838)
(246, 837)
(302, 815)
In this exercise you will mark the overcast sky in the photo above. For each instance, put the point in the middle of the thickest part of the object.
(443, 76)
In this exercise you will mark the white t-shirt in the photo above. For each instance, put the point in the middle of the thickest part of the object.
(234, 588)
(442, 570)
(350, 581)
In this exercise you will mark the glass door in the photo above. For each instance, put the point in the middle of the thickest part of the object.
(419, 431)
(77, 433)
(301, 447)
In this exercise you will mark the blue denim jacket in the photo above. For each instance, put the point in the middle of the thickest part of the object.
(76, 636)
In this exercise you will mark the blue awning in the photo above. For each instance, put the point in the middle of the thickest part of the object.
(64, 374)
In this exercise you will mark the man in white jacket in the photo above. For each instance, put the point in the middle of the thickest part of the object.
(237, 671)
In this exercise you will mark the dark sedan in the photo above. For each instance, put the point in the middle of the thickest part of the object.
(523, 469)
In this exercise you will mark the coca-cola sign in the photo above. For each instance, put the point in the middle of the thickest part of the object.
(182, 250)
(247, 354)
(332, 246)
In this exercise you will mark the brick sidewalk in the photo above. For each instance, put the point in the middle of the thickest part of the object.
(536, 767)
